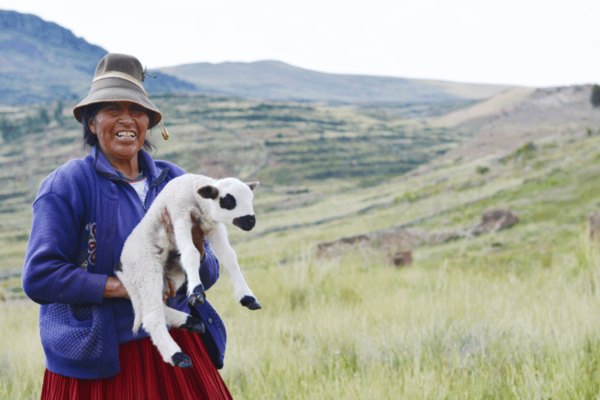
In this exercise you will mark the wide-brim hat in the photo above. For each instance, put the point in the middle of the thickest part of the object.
(118, 77)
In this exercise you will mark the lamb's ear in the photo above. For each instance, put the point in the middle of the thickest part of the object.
(209, 192)
(252, 185)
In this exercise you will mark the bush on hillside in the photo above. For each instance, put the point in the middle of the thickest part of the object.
(8, 129)
(595, 99)
(482, 170)
(523, 152)
(58, 111)
(34, 123)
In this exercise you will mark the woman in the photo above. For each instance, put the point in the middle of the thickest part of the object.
(82, 215)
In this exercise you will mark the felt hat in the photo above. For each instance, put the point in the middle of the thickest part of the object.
(119, 77)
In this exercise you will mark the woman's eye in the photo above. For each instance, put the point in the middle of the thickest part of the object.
(137, 110)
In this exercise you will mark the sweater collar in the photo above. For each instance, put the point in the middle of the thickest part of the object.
(102, 166)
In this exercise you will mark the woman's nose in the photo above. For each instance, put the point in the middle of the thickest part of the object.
(126, 115)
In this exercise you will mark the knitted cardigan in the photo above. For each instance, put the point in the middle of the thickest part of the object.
(82, 215)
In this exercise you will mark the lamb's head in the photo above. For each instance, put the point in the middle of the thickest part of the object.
(233, 202)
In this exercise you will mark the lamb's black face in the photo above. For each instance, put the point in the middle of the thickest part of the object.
(245, 223)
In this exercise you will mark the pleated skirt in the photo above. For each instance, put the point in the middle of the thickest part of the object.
(145, 376)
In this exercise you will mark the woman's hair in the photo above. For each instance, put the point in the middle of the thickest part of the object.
(90, 139)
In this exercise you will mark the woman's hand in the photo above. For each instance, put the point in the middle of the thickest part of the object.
(170, 291)
(114, 288)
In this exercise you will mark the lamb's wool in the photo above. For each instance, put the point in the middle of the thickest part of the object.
(189, 200)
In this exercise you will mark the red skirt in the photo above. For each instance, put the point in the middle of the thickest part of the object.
(145, 376)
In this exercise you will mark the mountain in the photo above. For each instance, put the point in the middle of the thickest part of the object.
(279, 81)
(42, 61)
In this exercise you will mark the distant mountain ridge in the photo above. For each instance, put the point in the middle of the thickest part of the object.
(42, 61)
(276, 80)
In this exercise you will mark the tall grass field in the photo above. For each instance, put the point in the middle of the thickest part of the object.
(353, 327)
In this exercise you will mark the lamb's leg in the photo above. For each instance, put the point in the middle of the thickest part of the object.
(134, 295)
(189, 260)
(227, 257)
(150, 285)
(181, 320)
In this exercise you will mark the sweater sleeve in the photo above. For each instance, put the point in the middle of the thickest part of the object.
(49, 273)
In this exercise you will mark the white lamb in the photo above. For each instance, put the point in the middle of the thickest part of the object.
(198, 206)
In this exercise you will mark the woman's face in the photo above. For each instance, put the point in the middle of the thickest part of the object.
(121, 129)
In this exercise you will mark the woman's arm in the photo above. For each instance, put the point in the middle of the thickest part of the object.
(49, 273)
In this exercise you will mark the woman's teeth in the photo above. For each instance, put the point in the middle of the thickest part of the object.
(126, 134)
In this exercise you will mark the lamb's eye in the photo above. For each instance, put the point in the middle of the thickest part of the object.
(227, 202)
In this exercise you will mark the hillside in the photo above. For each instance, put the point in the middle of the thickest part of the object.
(506, 122)
(289, 147)
(327, 172)
(279, 81)
(42, 61)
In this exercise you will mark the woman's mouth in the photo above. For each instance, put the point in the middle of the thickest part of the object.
(125, 135)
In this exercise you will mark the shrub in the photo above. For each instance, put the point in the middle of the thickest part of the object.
(482, 170)
(58, 111)
(525, 151)
(43, 115)
(8, 129)
(595, 99)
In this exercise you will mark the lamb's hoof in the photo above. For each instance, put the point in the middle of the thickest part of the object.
(197, 297)
(193, 325)
(181, 360)
(250, 302)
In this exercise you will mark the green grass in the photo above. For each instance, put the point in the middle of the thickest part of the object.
(356, 328)
(512, 314)
(353, 327)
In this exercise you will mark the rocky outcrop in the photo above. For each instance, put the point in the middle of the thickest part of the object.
(398, 240)
(495, 220)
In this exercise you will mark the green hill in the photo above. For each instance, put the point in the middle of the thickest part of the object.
(328, 172)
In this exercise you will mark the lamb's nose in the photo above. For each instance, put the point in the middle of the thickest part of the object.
(246, 222)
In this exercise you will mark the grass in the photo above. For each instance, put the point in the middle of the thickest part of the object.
(512, 314)
(353, 327)
(21, 354)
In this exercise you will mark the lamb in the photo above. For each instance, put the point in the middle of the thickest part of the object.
(197, 206)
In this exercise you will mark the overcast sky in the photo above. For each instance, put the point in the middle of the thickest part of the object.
(522, 42)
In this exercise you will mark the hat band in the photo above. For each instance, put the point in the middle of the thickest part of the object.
(119, 75)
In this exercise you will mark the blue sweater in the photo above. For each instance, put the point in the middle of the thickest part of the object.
(81, 217)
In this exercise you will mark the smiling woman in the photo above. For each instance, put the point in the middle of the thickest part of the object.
(84, 212)
(120, 128)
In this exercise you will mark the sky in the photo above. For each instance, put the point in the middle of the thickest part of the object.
(519, 42)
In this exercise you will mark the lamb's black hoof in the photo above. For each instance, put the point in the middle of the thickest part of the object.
(181, 360)
(250, 302)
(197, 297)
(193, 325)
